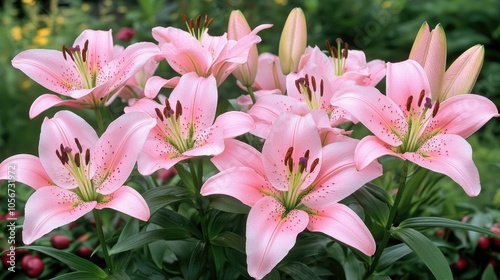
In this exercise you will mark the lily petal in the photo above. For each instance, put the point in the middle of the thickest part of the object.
(341, 223)
(234, 124)
(127, 200)
(242, 183)
(155, 84)
(49, 208)
(117, 150)
(239, 154)
(271, 235)
(63, 129)
(450, 155)
(405, 79)
(47, 101)
(338, 177)
(378, 113)
(27, 169)
(462, 73)
(297, 132)
(369, 149)
(462, 115)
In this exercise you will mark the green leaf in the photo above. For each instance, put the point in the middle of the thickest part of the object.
(159, 197)
(228, 204)
(146, 237)
(374, 202)
(120, 275)
(426, 251)
(167, 218)
(231, 240)
(185, 175)
(489, 273)
(427, 222)
(73, 261)
(392, 254)
(299, 271)
(197, 261)
(80, 275)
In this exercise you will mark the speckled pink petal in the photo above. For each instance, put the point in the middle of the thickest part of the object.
(234, 124)
(450, 155)
(242, 183)
(297, 132)
(100, 47)
(462, 115)
(117, 150)
(49, 69)
(369, 149)
(26, 169)
(62, 129)
(49, 208)
(405, 79)
(128, 201)
(239, 154)
(47, 101)
(270, 234)
(338, 177)
(198, 97)
(341, 223)
(376, 111)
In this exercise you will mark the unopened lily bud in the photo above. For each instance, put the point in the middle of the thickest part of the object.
(462, 73)
(429, 50)
(238, 28)
(293, 41)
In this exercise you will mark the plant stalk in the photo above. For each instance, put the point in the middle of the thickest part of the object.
(102, 240)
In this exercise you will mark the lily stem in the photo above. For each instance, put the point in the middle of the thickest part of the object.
(252, 96)
(98, 117)
(390, 220)
(102, 240)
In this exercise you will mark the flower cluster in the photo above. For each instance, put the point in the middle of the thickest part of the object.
(297, 106)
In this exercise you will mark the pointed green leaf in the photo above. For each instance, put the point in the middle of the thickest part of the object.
(231, 240)
(428, 222)
(71, 260)
(197, 261)
(228, 204)
(489, 273)
(374, 203)
(392, 254)
(80, 275)
(167, 218)
(157, 198)
(299, 271)
(144, 238)
(426, 251)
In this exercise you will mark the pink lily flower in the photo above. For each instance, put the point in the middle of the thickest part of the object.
(197, 51)
(185, 125)
(77, 171)
(294, 184)
(89, 73)
(406, 123)
(429, 50)
(134, 87)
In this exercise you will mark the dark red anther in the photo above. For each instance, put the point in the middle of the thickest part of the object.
(64, 52)
(313, 82)
(408, 102)
(288, 155)
(84, 51)
(210, 22)
(178, 109)
(198, 20)
(321, 87)
(77, 160)
(306, 154)
(184, 17)
(314, 164)
(436, 109)
(345, 51)
(334, 52)
(159, 114)
(59, 156)
(421, 97)
(290, 164)
(87, 157)
(78, 145)
(167, 105)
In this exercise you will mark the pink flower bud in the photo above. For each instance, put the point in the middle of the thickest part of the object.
(293, 41)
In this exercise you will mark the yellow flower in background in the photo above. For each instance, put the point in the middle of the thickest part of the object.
(44, 31)
(17, 33)
(29, 2)
(25, 84)
(85, 7)
(60, 19)
(281, 2)
(41, 37)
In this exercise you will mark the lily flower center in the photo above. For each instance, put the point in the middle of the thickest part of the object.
(311, 92)
(339, 55)
(173, 127)
(80, 59)
(297, 172)
(78, 165)
(418, 119)
(195, 27)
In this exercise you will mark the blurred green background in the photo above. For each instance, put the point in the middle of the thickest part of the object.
(383, 29)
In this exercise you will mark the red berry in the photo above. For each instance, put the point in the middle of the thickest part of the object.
(33, 266)
(495, 240)
(483, 243)
(460, 264)
(60, 241)
(6, 259)
(84, 252)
